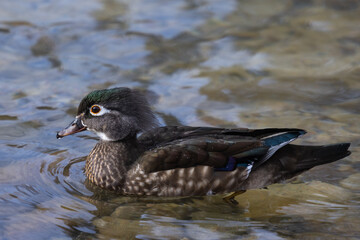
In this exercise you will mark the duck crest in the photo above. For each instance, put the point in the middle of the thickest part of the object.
(96, 96)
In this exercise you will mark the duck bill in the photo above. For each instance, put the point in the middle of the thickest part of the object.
(74, 127)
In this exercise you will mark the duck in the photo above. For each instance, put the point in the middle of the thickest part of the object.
(135, 156)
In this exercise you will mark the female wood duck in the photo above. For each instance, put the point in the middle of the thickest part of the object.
(183, 160)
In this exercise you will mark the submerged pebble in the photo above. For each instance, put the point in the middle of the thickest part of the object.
(43, 46)
(352, 182)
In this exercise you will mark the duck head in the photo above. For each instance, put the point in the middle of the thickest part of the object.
(113, 114)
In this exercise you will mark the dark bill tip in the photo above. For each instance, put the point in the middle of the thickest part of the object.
(58, 136)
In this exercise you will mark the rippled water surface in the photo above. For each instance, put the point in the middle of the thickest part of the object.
(217, 63)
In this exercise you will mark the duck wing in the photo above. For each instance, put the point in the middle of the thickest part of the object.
(164, 135)
(223, 149)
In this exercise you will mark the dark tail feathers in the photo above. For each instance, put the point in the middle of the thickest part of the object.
(292, 160)
(301, 158)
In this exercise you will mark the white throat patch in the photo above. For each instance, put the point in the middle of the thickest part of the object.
(103, 136)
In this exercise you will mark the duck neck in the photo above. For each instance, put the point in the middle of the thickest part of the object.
(108, 162)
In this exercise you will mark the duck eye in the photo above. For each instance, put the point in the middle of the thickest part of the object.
(95, 109)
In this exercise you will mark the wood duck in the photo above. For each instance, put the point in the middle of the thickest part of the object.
(136, 157)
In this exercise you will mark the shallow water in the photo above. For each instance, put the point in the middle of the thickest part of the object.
(244, 63)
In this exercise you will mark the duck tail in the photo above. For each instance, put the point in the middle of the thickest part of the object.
(310, 156)
(292, 160)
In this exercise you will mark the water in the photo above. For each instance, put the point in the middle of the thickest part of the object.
(244, 63)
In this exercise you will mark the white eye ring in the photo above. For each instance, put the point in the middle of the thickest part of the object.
(98, 110)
